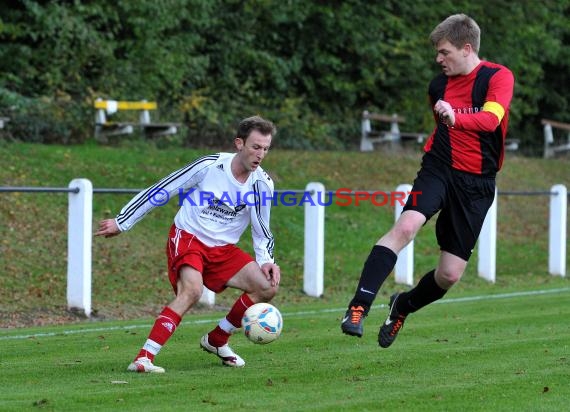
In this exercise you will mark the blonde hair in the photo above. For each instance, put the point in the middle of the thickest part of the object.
(458, 29)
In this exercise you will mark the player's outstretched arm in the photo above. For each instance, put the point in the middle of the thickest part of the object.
(108, 228)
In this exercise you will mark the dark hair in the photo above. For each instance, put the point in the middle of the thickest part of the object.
(246, 126)
(458, 29)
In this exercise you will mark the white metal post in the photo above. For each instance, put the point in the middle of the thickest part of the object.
(79, 239)
(488, 244)
(557, 230)
(313, 277)
(404, 270)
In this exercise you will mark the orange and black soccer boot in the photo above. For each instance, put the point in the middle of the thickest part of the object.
(352, 321)
(392, 325)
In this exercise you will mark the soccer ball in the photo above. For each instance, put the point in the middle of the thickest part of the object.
(262, 323)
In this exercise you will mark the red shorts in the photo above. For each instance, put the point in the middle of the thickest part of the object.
(217, 264)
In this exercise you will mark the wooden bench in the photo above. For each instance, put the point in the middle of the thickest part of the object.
(394, 135)
(107, 108)
(550, 150)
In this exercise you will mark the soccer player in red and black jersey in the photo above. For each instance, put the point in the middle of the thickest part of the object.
(470, 100)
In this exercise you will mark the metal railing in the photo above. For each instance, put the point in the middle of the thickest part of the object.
(80, 216)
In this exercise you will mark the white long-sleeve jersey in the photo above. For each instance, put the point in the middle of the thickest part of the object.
(215, 207)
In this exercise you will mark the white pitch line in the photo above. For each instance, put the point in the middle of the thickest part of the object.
(289, 314)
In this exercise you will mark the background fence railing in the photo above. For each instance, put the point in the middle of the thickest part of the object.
(80, 234)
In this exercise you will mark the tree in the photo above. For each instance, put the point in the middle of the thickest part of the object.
(310, 66)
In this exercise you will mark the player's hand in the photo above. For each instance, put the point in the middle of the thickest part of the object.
(445, 112)
(108, 228)
(272, 272)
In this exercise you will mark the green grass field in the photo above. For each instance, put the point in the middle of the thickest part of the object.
(500, 346)
(499, 352)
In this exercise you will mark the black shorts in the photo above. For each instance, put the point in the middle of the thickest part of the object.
(462, 199)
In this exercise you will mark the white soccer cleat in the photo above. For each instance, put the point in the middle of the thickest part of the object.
(225, 353)
(143, 365)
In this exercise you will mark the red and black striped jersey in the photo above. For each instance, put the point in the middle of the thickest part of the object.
(481, 102)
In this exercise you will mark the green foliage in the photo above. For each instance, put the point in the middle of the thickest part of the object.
(314, 66)
(54, 119)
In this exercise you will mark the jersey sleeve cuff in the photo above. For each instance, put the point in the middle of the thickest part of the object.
(121, 228)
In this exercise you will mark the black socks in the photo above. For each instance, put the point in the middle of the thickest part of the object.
(425, 292)
(377, 267)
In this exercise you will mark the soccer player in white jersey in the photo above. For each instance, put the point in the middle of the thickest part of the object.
(221, 195)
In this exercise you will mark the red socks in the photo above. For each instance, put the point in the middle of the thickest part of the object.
(238, 309)
(164, 326)
(221, 334)
(168, 320)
